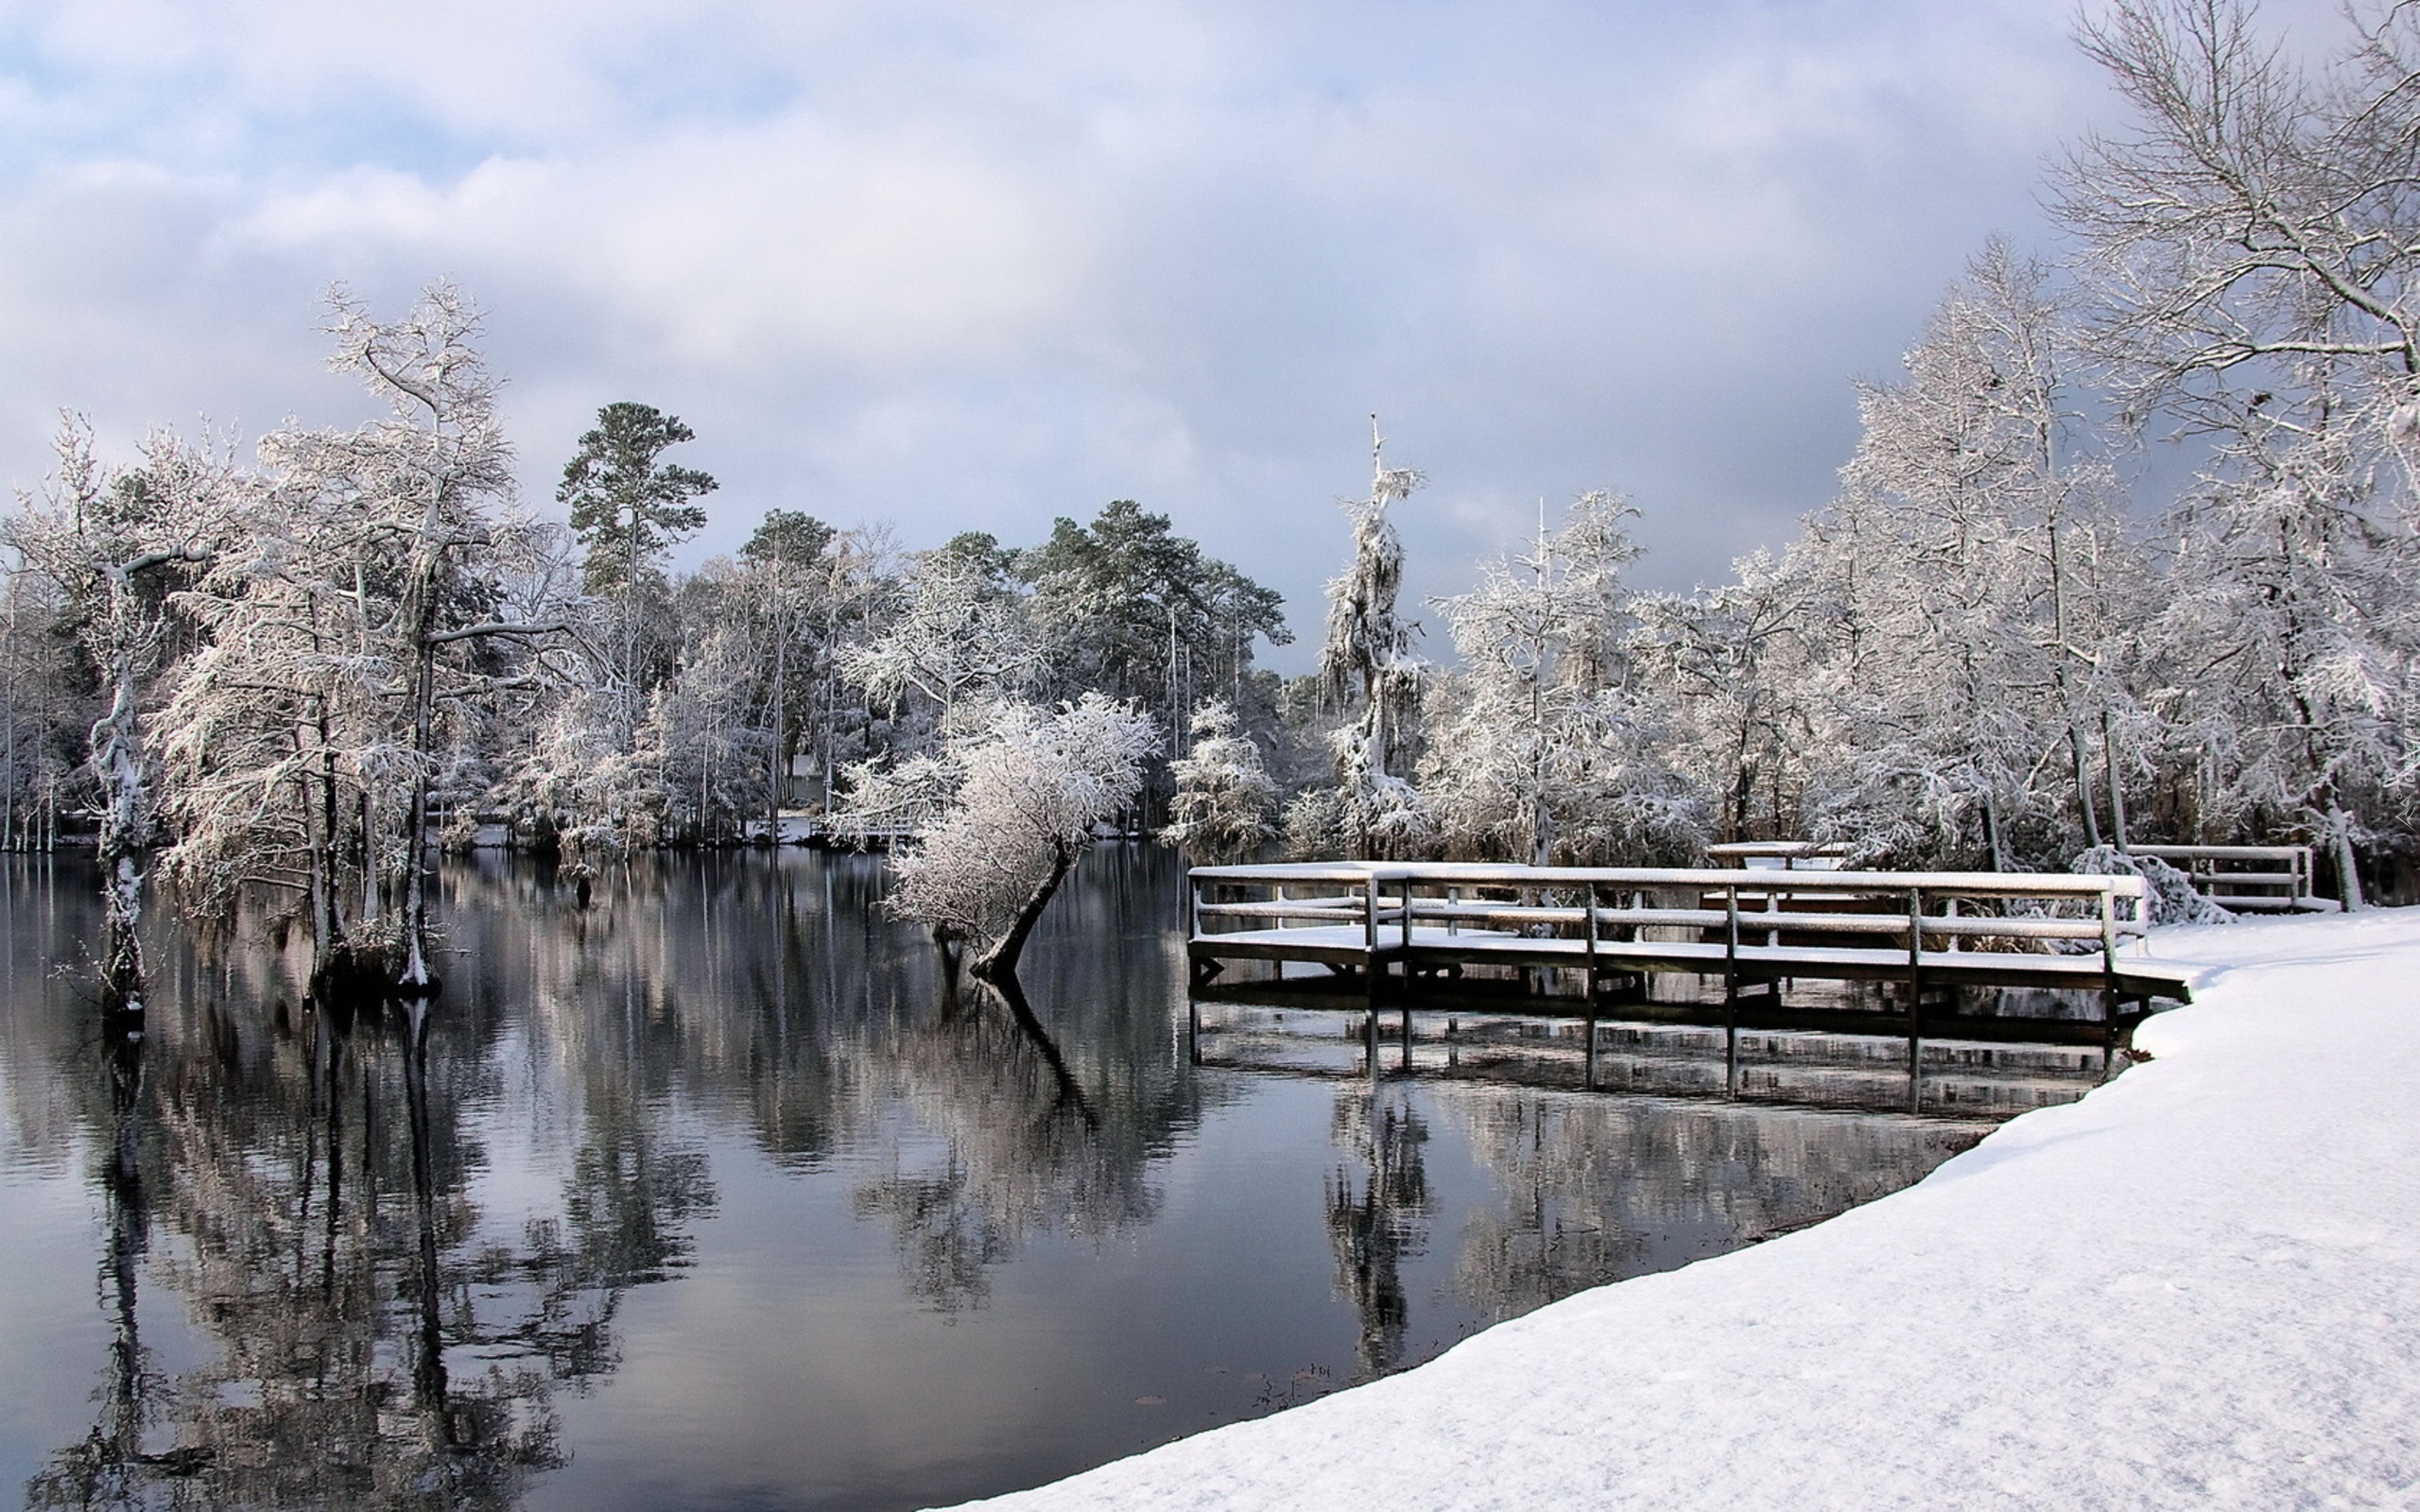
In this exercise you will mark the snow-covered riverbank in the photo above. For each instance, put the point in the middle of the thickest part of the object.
(2198, 1287)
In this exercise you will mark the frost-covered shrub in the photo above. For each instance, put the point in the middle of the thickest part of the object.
(1315, 826)
(2172, 898)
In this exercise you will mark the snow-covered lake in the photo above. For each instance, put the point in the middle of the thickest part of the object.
(712, 1194)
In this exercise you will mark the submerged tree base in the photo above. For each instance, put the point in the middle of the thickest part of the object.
(361, 977)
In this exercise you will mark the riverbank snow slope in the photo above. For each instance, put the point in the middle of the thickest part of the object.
(2198, 1287)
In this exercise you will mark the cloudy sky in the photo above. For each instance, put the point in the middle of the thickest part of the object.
(972, 266)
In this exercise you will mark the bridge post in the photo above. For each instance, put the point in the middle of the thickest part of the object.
(1730, 991)
(1915, 998)
(1588, 908)
(2109, 969)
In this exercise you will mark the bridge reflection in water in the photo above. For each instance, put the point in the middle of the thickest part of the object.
(1977, 979)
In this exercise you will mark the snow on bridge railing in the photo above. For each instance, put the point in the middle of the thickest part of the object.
(1915, 916)
(2245, 876)
(1790, 856)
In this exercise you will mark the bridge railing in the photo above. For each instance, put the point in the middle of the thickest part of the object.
(1389, 906)
(2244, 876)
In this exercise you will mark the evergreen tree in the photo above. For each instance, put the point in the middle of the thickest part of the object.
(629, 506)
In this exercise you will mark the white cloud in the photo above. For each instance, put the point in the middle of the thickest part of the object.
(969, 267)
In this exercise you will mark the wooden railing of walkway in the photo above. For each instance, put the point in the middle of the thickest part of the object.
(1756, 929)
(2247, 877)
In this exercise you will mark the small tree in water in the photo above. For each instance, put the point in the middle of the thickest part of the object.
(1006, 810)
(110, 543)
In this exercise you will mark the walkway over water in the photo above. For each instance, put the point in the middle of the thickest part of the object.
(1407, 931)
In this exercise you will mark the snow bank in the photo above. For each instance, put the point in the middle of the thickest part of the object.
(2198, 1287)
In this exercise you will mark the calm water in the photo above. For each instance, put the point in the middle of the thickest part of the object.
(713, 1194)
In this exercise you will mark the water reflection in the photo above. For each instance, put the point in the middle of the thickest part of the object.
(1377, 1213)
(1010, 1146)
(715, 1188)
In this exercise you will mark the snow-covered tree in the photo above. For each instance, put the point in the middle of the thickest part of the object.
(355, 643)
(1545, 748)
(37, 711)
(2253, 246)
(959, 636)
(108, 541)
(1732, 667)
(2290, 654)
(1367, 665)
(704, 737)
(1225, 797)
(1968, 588)
(1018, 796)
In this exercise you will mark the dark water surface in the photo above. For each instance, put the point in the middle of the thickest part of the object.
(713, 1196)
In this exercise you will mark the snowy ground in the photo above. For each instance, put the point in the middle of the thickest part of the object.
(2198, 1287)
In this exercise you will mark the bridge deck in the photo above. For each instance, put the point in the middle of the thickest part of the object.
(1432, 945)
(1401, 928)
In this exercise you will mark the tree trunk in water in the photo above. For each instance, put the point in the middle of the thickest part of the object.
(1001, 959)
(1071, 1092)
(416, 978)
(125, 814)
(2348, 873)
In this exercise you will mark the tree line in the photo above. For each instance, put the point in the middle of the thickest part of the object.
(1996, 647)
(290, 675)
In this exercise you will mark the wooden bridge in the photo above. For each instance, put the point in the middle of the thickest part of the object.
(1407, 932)
(2247, 878)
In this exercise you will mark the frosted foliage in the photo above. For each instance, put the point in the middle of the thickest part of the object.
(1367, 665)
(1379, 816)
(2173, 897)
(1313, 826)
(1225, 797)
(2252, 245)
(1546, 749)
(956, 638)
(703, 738)
(1367, 657)
(1732, 671)
(351, 656)
(103, 539)
(1590, 787)
(1970, 594)
(597, 799)
(1026, 789)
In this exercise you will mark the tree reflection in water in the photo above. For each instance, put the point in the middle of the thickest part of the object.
(376, 1346)
(1594, 1188)
(779, 981)
(391, 1259)
(1009, 1146)
(1377, 1222)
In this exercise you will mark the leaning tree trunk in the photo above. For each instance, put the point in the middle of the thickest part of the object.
(999, 961)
